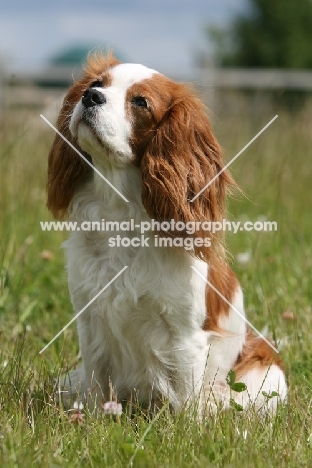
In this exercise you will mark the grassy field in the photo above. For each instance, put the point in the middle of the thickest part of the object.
(276, 176)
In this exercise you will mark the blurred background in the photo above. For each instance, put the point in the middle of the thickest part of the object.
(255, 46)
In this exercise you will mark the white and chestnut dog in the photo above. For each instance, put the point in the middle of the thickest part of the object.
(158, 329)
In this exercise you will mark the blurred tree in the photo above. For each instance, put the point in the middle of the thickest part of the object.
(74, 55)
(77, 54)
(274, 33)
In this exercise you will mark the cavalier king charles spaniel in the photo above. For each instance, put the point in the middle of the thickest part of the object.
(158, 329)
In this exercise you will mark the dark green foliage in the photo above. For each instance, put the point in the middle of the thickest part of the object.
(276, 34)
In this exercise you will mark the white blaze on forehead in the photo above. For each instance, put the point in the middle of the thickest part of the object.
(110, 122)
(127, 74)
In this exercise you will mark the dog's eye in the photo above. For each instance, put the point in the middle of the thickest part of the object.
(140, 101)
(96, 84)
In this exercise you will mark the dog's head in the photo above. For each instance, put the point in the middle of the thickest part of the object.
(127, 114)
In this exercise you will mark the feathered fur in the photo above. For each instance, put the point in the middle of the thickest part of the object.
(158, 329)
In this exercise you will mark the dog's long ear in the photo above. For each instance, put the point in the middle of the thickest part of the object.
(180, 160)
(66, 169)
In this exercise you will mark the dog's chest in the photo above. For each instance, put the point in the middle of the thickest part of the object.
(156, 305)
(153, 276)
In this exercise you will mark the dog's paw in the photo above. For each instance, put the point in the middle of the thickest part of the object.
(69, 388)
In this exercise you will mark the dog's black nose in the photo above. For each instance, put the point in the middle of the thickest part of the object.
(92, 97)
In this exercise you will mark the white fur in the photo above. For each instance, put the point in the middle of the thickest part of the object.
(258, 380)
(224, 349)
(144, 333)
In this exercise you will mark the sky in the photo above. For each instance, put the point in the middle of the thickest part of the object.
(161, 34)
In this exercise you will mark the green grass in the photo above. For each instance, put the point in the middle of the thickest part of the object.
(275, 174)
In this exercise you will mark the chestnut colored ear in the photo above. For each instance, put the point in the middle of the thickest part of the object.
(66, 169)
(181, 159)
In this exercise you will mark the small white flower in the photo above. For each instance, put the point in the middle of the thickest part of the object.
(112, 407)
(283, 343)
(78, 405)
(265, 331)
(243, 257)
